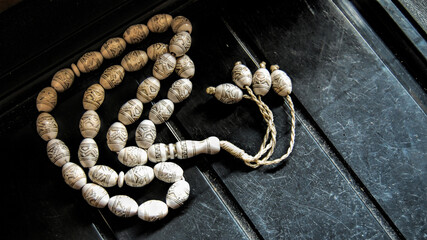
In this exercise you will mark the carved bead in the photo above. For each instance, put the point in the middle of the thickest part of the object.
(164, 66)
(117, 136)
(95, 195)
(134, 61)
(180, 44)
(139, 176)
(130, 111)
(281, 82)
(74, 175)
(47, 99)
(113, 47)
(159, 152)
(161, 111)
(88, 153)
(155, 50)
(58, 152)
(47, 128)
(132, 156)
(148, 89)
(226, 93)
(185, 67)
(93, 97)
(168, 172)
(89, 124)
(177, 194)
(90, 61)
(181, 24)
(180, 90)
(159, 23)
(103, 175)
(62, 80)
(261, 81)
(188, 148)
(136, 33)
(145, 134)
(123, 206)
(152, 210)
(241, 75)
(112, 76)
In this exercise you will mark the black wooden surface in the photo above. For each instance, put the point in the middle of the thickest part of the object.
(358, 170)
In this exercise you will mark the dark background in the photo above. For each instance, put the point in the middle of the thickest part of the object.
(358, 170)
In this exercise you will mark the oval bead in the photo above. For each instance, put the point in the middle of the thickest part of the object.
(261, 81)
(113, 47)
(123, 206)
(241, 75)
(161, 111)
(139, 176)
(181, 24)
(228, 93)
(88, 153)
(180, 44)
(112, 76)
(130, 111)
(164, 66)
(46, 99)
(136, 33)
(89, 124)
(185, 67)
(280, 81)
(180, 90)
(158, 152)
(62, 80)
(145, 134)
(58, 152)
(93, 97)
(74, 175)
(177, 194)
(132, 156)
(117, 137)
(155, 50)
(159, 23)
(148, 90)
(152, 210)
(134, 60)
(47, 128)
(95, 195)
(168, 172)
(90, 61)
(103, 175)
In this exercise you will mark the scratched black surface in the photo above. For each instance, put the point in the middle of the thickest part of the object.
(342, 88)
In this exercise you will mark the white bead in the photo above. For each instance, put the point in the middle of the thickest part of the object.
(117, 137)
(168, 172)
(185, 67)
(228, 93)
(74, 175)
(58, 152)
(180, 44)
(180, 90)
(188, 149)
(281, 82)
(47, 128)
(88, 153)
(145, 134)
(158, 152)
(121, 179)
(177, 194)
(161, 111)
(261, 81)
(132, 156)
(103, 175)
(164, 66)
(90, 123)
(152, 210)
(95, 195)
(139, 176)
(148, 89)
(130, 111)
(241, 75)
(123, 206)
